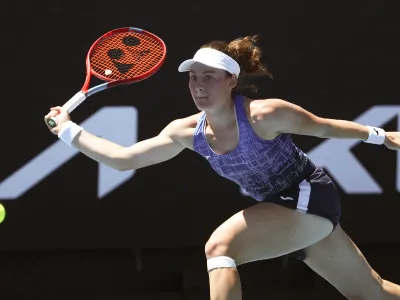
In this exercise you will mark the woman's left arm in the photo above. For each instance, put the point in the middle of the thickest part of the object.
(291, 118)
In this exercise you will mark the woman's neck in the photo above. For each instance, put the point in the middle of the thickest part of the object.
(221, 118)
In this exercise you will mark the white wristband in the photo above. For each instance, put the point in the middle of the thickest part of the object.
(68, 132)
(376, 135)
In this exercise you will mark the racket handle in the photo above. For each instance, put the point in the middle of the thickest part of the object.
(70, 105)
(75, 101)
(52, 122)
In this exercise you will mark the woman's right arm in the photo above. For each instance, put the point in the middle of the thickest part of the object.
(148, 152)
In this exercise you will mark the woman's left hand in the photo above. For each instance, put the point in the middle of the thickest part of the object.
(392, 140)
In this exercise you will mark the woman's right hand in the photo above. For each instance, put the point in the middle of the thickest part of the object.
(61, 115)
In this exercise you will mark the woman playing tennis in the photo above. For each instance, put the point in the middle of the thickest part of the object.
(297, 206)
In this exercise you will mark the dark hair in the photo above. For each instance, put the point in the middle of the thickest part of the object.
(247, 53)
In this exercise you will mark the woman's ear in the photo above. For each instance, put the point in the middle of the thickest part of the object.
(233, 80)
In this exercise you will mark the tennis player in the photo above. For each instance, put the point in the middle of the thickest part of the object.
(297, 206)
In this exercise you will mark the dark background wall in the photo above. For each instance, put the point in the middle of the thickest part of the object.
(338, 60)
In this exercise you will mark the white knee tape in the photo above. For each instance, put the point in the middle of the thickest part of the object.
(220, 262)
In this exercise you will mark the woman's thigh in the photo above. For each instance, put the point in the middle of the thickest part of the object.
(266, 230)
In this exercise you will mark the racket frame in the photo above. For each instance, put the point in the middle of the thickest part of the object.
(86, 92)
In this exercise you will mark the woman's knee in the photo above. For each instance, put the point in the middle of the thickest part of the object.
(216, 246)
(218, 254)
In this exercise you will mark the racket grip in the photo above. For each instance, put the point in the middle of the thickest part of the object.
(52, 122)
(70, 105)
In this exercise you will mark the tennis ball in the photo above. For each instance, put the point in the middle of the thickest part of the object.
(2, 213)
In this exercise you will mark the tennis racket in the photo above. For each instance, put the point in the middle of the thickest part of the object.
(120, 56)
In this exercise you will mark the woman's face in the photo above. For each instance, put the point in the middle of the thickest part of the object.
(210, 87)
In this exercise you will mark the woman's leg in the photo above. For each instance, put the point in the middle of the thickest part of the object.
(337, 259)
(263, 231)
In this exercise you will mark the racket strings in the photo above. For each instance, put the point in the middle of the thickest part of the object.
(126, 55)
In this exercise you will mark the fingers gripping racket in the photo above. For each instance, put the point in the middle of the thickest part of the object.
(121, 56)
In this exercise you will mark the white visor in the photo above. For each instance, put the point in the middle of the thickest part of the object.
(212, 58)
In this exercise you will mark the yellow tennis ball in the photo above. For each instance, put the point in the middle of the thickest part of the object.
(2, 213)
